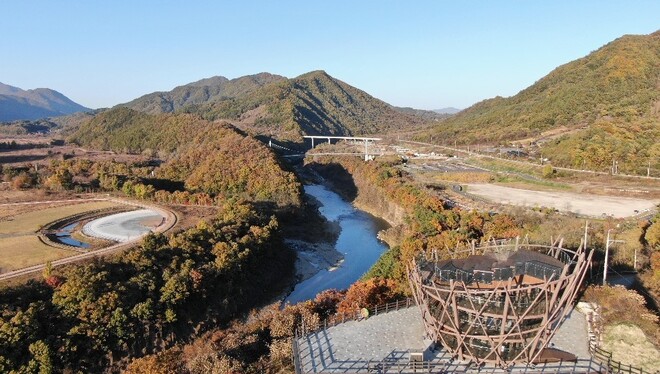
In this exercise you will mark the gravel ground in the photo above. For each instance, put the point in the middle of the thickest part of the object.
(591, 205)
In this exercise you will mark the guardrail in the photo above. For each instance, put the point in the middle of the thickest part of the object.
(526, 163)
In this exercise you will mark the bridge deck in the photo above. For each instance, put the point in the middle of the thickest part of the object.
(340, 137)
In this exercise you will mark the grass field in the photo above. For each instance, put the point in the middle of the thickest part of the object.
(19, 245)
(30, 222)
(630, 346)
(21, 251)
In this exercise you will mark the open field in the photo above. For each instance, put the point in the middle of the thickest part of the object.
(31, 221)
(21, 251)
(36, 149)
(19, 244)
(591, 205)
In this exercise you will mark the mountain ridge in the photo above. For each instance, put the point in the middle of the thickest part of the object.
(267, 104)
(202, 91)
(447, 110)
(19, 104)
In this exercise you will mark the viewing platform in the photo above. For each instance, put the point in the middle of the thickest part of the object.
(382, 344)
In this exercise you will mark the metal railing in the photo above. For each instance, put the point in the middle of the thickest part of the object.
(578, 366)
(337, 319)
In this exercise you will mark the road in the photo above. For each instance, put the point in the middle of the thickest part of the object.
(168, 223)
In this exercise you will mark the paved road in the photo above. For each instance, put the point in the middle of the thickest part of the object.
(170, 221)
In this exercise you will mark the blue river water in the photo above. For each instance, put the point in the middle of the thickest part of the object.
(357, 242)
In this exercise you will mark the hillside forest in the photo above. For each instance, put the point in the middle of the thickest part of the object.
(598, 108)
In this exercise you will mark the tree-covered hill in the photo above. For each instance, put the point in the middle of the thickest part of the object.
(201, 92)
(607, 104)
(212, 158)
(313, 103)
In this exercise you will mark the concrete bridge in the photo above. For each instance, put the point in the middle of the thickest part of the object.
(366, 141)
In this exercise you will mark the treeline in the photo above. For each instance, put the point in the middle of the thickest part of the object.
(89, 316)
(261, 343)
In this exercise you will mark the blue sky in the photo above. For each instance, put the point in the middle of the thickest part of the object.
(424, 54)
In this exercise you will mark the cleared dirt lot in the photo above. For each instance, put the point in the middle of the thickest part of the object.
(586, 204)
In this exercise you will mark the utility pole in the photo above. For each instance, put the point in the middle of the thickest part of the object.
(607, 252)
(586, 227)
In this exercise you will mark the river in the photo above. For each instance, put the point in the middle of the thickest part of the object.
(357, 242)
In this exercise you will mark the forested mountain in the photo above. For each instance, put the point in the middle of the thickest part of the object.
(201, 92)
(603, 106)
(313, 103)
(19, 104)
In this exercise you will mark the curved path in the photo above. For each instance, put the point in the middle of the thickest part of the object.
(170, 220)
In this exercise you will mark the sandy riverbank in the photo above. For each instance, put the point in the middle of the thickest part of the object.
(313, 257)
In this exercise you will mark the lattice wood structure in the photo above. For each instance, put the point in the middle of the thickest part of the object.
(498, 304)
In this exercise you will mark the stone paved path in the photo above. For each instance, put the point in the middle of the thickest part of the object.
(357, 345)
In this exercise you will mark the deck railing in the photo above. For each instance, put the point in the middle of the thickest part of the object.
(578, 366)
(337, 319)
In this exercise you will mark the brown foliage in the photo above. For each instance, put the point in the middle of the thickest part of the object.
(619, 305)
(168, 361)
(366, 294)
